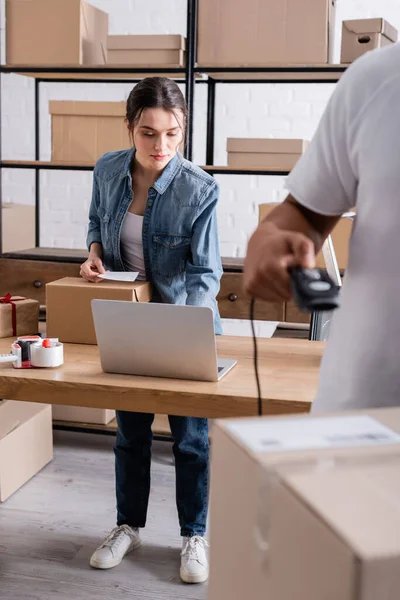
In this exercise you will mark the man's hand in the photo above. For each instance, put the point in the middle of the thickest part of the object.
(270, 253)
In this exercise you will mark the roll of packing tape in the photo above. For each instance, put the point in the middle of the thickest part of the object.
(42, 356)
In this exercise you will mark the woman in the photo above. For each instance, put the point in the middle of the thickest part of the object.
(155, 213)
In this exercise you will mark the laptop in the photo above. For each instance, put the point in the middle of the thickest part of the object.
(158, 340)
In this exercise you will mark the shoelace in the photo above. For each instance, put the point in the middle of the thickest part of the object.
(115, 537)
(192, 545)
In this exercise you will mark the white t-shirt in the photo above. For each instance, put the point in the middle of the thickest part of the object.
(132, 245)
(354, 160)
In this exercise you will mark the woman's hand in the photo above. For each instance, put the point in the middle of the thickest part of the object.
(91, 269)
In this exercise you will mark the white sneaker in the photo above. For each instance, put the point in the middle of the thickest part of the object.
(119, 542)
(194, 561)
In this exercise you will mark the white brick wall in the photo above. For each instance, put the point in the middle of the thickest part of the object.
(241, 110)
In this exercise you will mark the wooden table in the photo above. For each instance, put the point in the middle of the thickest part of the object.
(288, 371)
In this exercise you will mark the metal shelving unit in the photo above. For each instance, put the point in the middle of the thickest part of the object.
(191, 75)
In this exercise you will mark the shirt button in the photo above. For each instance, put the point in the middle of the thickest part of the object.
(145, 229)
(149, 204)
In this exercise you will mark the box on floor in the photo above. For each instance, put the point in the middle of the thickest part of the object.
(83, 414)
(18, 227)
(340, 235)
(68, 305)
(254, 486)
(268, 153)
(18, 316)
(362, 35)
(84, 131)
(59, 33)
(26, 443)
(168, 50)
(254, 33)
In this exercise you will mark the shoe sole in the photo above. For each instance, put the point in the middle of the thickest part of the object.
(109, 564)
(186, 578)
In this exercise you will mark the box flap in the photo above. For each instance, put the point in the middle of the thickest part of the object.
(82, 108)
(14, 413)
(271, 145)
(366, 26)
(361, 504)
(143, 292)
(146, 42)
(79, 282)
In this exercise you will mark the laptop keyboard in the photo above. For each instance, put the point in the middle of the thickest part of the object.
(220, 369)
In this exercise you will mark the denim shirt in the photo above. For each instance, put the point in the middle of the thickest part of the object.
(180, 236)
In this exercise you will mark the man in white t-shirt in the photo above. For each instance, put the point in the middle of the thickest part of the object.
(353, 161)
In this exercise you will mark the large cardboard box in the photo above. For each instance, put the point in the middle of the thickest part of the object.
(26, 443)
(273, 153)
(249, 456)
(340, 235)
(254, 33)
(55, 32)
(362, 35)
(84, 131)
(149, 50)
(335, 533)
(18, 227)
(68, 305)
(83, 414)
(18, 316)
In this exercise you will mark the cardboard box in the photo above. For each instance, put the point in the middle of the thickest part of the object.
(18, 227)
(361, 35)
(26, 313)
(26, 443)
(84, 131)
(82, 414)
(146, 50)
(254, 33)
(55, 32)
(68, 305)
(278, 154)
(335, 534)
(340, 235)
(248, 458)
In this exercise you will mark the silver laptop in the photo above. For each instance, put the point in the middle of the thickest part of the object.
(158, 340)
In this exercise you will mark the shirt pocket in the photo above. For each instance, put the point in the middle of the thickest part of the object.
(170, 253)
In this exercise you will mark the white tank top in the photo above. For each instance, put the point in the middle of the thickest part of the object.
(131, 244)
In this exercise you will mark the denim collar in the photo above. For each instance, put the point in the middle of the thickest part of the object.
(166, 177)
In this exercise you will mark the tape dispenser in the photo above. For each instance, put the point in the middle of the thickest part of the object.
(31, 351)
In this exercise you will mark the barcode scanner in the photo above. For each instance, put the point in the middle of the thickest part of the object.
(313, 290)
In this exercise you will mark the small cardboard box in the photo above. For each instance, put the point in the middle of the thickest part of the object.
(26, 313)
(248, 458)
(361, 35)
(55, 32)
(26, 443)
(335, 532)
(146, 50)
(84, 131)
(278, 154)
(18, 227)
(68, 305)
(254, 33)
(340, 235)
(83, 414)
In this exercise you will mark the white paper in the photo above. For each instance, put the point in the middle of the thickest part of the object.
(312, 434)
(120, 275)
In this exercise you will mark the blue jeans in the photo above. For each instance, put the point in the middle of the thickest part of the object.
(132, 470)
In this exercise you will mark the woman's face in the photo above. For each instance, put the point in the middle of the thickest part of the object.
(157, 137)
